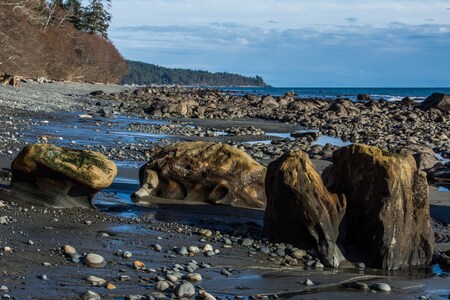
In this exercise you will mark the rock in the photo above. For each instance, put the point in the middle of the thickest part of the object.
(437, 100)
(127, 254)
(162, 285)
(205, 232)
(184, 290)
(138, 265)
(381, 287)
(90, 295)
(206, 295)
(94, 260)
(298, 254)
(308, 282)
(424, 156)
(194, 249)
(247, 242)
(194, 277)
(391, 195)
(94, 280)
(69, 250)
(205, 172)
(300, 210)
(50, 176)
(363, 97)
(110, 286)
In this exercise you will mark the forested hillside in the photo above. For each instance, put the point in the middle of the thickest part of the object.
(144, 73)
(58, 39)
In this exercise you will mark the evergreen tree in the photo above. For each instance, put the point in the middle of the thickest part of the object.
(75, 11)
(96, 18)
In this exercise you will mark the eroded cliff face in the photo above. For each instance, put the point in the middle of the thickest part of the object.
(205, 172)
(387, 220)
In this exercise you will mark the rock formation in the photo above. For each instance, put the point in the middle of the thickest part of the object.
(50, 176)
(205, 172)
(387, 221)
(439, 101)
(300, 210)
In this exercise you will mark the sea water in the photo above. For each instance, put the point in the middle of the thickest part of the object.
(390, 94)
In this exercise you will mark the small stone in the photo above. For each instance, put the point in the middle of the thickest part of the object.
(162, 285)
(206, 295)
(138, 265)
(280, 252)
(183, 251)
(194, 277)
(381, 287)
(172, 278)
(94, 280)
(298, 254)
(205, 233)
(358, 286)
(207, 248)
(30, 242)
(319, 265)
(69, 250)
(157, 247)
(308, 282)
(88, 222)
(194, 249)
(90, 295)
(225, 272)
(43, 277)
(110, 286)
(94, 260)
(3, 220)
(127, 254)
(247, 242)
(185, 290)
(7, 249)
(3, 288)
(46, 264)
(361, 265)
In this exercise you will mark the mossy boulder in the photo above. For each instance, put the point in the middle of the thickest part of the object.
(60, 177)
(203, 172)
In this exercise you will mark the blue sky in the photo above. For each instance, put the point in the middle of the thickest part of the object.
(292, 42)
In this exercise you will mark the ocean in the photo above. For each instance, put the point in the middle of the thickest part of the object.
(390, 94)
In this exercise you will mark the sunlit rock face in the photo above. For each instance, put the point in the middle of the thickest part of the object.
(50, 176)
(387, 220)
(203, 172)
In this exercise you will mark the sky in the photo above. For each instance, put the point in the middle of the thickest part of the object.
(292, 43)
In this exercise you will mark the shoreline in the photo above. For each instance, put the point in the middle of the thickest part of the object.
(137, 229)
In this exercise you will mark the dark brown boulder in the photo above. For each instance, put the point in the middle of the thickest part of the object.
(439, 101)
(300, 210)
(387, 222)
(203, 172)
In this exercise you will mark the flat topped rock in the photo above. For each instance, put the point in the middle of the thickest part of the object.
(90, 168)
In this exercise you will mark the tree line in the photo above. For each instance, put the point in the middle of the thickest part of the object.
(144, 73)
(92, 18)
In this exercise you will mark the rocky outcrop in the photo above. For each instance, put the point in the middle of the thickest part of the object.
(439, 101)
(205, 172)
(300, 210)
(387, 221)
(50, 176)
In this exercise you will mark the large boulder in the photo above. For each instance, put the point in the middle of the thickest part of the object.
(387, 222)
(437, 100)
(300, 210)
(50, 176)
(205, 172)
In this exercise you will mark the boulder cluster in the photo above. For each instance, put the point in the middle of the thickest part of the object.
(369, 206)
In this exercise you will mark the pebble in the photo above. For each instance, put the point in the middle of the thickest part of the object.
(94, 280)
(172, 278)
(43, 277)
(194, 277)
(319, 265)
(110, 286)
(157, 247)
(207, 248)
(308, 282)
(94, 260)
(162, 285)
(247, 242)
(184, 290)
(183, 251)
(298, 254)
(138, 265)
(127, 254)
(69, 250)
(3, 288)
(3, 220)
(90, 295)
(205, 233)
(194, 249)
(384, 287)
